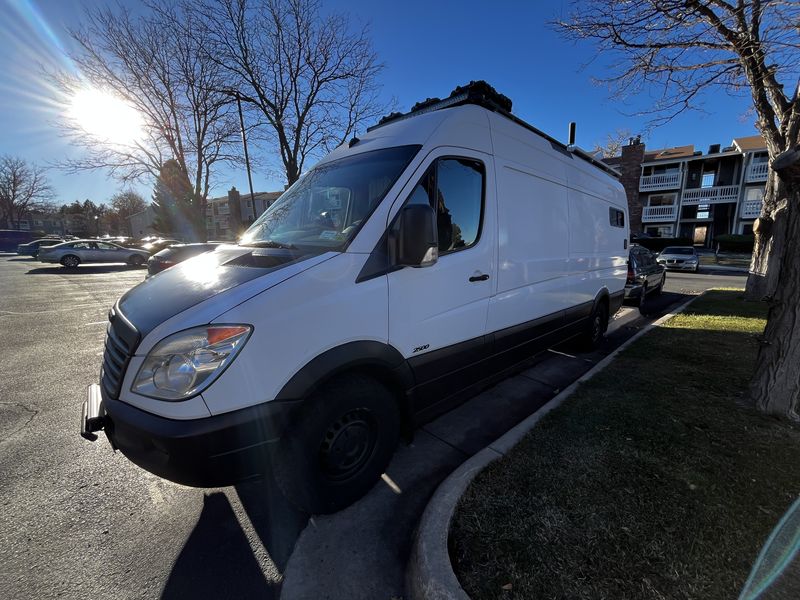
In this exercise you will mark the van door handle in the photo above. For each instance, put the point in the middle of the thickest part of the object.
(475, 278)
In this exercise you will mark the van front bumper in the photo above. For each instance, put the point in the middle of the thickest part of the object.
(211, 452)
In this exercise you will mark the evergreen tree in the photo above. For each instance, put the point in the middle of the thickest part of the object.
(176, 212)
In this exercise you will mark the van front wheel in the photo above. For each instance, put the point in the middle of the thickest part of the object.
(339, 446)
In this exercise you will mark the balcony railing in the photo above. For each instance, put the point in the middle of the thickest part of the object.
(751, 209)
(659, 213)
(757, 172)
(711, 195)
(666, 181)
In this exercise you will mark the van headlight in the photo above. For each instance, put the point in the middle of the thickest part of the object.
(185, 363)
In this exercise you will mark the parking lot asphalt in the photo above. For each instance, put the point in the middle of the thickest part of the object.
(80, 520)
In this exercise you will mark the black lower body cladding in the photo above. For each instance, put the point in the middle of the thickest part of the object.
(210, 452)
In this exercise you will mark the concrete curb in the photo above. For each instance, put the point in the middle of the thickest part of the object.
(722, 268)
(429, 573)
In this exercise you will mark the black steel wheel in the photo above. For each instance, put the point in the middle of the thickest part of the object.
(596, 328)
(339, 445)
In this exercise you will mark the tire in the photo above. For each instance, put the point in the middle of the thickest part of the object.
(643, 297)
(135, 260)
(696, 269)
(70, 261)
(340, 445)
(660, 289)
(597, 326)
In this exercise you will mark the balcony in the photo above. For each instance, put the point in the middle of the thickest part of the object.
(757, 172)
(711, 195)
(751, 209)
(651, 214)
(666, 181)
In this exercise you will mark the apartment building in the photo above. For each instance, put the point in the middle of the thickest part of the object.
(681, 192)
(228, 216)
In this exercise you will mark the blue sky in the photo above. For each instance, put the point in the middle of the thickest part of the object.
(428, 49)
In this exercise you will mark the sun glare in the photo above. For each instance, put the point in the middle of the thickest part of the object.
(106, 117)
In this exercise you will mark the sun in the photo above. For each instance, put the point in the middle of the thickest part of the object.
(106, 117)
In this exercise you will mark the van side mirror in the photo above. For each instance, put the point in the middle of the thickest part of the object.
(413, 240)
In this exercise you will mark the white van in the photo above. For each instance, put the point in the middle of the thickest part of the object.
(401, 274)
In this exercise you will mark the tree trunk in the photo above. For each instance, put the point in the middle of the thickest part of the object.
(775, 387)
(769, 230)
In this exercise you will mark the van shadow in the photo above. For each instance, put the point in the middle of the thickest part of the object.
(221, 558)
(83, 269)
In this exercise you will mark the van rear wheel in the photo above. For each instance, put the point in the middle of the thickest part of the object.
(340, 445)
(596, 328)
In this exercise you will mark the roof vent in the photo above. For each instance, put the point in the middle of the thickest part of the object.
(713, 149)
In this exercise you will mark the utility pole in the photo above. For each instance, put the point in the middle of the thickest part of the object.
(238, 96)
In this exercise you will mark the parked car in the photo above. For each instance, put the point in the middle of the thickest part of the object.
(71, 254)
(158, 245)
(32, 248)
(173, 255)
(404, 271)
(680, 258)
(645, 275)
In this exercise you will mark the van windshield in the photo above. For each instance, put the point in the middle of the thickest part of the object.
(325, 207)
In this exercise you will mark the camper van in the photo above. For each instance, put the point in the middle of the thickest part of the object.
(406, 271)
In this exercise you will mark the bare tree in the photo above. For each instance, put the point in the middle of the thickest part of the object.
(23, 188)
(123, 205)
(613, 145)
(685, 48)
(311, 79)
(161, 72)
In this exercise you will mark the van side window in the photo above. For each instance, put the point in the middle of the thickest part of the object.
(459, 203)
(616, 217)
(454, 187)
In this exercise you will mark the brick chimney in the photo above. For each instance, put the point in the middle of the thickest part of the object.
(630, 166)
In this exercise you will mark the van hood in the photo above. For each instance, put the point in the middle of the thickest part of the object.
(191, 282)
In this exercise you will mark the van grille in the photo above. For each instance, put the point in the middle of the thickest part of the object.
(121, 341)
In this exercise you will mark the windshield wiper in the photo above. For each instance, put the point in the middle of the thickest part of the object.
(269, 244)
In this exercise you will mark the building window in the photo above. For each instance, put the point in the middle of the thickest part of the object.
(747, 229)
(703, 211)
(659, 230)
(754, 194)
(708, 180)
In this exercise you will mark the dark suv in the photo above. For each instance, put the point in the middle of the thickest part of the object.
(645, 275)
(171, 256)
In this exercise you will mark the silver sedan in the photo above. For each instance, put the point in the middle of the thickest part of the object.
(680, 258)
(71, 254)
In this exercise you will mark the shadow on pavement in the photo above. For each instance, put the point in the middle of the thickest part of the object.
(275, 520)
(220, 558)
(83, 269)
(217, 560)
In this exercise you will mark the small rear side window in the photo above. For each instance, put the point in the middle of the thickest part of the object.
(616, 217)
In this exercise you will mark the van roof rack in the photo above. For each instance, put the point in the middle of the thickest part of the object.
(480, 93)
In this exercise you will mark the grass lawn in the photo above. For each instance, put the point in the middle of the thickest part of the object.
(654, 480)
